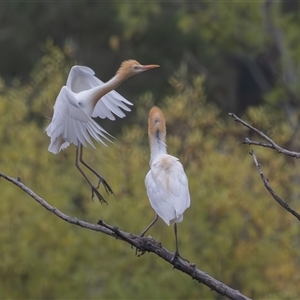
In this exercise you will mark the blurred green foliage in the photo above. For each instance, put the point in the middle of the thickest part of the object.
(233, 230)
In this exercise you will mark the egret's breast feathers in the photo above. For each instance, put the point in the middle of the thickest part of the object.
(166, 171)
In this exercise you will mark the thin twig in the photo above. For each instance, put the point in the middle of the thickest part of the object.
(270, 190)
(145, 244)
(247, 141)
(271, 143)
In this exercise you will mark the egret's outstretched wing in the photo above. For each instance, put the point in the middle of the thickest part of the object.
(83, 78)
(70, 124)
(167, 188)
(111, 103)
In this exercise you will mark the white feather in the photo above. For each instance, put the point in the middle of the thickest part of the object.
(73, 111)
(82, 78)
(167, 188)
(71, 124)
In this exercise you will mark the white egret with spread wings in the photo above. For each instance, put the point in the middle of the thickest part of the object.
(82, 99)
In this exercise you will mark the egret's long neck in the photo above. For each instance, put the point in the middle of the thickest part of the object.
(108, 86)
(157, 141)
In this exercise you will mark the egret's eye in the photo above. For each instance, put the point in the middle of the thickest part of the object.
(135, 67)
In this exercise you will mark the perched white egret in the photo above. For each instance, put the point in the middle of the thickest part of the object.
(166, 182)
(79, 102)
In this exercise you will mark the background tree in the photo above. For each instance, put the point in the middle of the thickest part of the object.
(247, 50)
(233, 230)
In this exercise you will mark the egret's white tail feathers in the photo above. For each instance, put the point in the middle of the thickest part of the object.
(58, 145)
(77, 134)
(178, 219)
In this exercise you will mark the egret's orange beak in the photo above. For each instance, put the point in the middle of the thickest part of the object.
(148, 67)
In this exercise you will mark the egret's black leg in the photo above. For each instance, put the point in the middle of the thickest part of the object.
(101, 179)
(150, 225)
(93, 188)
(108, 189)
(176, 254)
(143, 233)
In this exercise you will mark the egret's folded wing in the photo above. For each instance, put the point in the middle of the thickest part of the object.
(172, 184)
(159, 201)
(179, 188)
(71, 124)
(82, 78)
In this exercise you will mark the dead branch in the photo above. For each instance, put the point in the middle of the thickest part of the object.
(143, 244)
(271, 144)
(270, 190)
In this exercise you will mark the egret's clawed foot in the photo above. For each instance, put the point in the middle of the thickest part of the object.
(97, 193)
(139, 252)
(107, 188)
(177, 256)
(79, 159)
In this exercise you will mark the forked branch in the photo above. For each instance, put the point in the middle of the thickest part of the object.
(271, 144)
(143, 244)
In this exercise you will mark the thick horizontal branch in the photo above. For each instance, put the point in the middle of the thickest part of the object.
(144, 244)
(271, 144)
(270, 190)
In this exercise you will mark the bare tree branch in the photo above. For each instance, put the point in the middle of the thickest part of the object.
(143, 244)
(274, 146)
(270, 190)
(271, 143)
